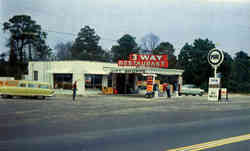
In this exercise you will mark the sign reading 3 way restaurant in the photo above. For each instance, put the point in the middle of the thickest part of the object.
(215, 58)
(145, 60)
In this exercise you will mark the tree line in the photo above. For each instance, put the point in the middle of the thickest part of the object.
(27, 42)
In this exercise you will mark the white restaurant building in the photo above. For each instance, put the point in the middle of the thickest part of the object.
(92, 76)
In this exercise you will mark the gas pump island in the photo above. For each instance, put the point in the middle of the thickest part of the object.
(215, 58)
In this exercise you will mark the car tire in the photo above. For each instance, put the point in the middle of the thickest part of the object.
(40, 97)
(9, 96)
(152, 95)
(147, 96)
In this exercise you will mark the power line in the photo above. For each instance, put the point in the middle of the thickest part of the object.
(67, 33)
(59, 32)
(71, 34)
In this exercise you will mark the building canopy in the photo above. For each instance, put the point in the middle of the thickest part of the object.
(144, 70)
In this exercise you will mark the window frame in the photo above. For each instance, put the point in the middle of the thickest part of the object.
(95, 81)
(63, 81)
(35, 75)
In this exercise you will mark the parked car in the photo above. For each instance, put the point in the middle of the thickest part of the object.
(36, 89)
(142, 90)
(191, 89)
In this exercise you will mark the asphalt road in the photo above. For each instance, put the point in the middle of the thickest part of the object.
(119, 123)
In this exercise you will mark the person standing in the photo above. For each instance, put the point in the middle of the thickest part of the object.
(176, 88)
(74, 88)
(164, 89)
(168, 90)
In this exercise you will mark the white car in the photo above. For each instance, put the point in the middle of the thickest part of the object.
(191, 89)
(142, 90)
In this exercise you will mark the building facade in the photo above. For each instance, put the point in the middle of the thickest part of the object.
(92, 76)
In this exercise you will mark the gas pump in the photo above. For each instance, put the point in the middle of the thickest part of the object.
(150, 83)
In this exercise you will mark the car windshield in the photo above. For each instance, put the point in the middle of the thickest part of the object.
(22, 85)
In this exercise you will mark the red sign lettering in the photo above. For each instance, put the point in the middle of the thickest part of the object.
(157, 61)
(148, 57)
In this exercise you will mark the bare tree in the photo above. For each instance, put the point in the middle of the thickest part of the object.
(2, 57)
(64, 51)
(150, 41)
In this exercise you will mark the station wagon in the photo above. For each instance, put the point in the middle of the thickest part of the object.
(36, 89)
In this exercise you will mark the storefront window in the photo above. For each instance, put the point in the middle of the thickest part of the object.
(63, 81)
(93, 81)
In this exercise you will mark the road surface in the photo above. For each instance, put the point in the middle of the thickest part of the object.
(122, 123)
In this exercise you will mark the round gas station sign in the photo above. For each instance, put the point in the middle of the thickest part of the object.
(215, 57)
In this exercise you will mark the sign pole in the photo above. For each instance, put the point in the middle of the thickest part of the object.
(215, 58)
(215, 71)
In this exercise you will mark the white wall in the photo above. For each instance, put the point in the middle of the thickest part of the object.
(76, 68)
(80, 78)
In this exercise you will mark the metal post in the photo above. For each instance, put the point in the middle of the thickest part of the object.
(215, 71)
(126, 83)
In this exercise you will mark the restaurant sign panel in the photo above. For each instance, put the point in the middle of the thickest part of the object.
(145, 60)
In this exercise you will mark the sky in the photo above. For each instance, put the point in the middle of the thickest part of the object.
(225, 22)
